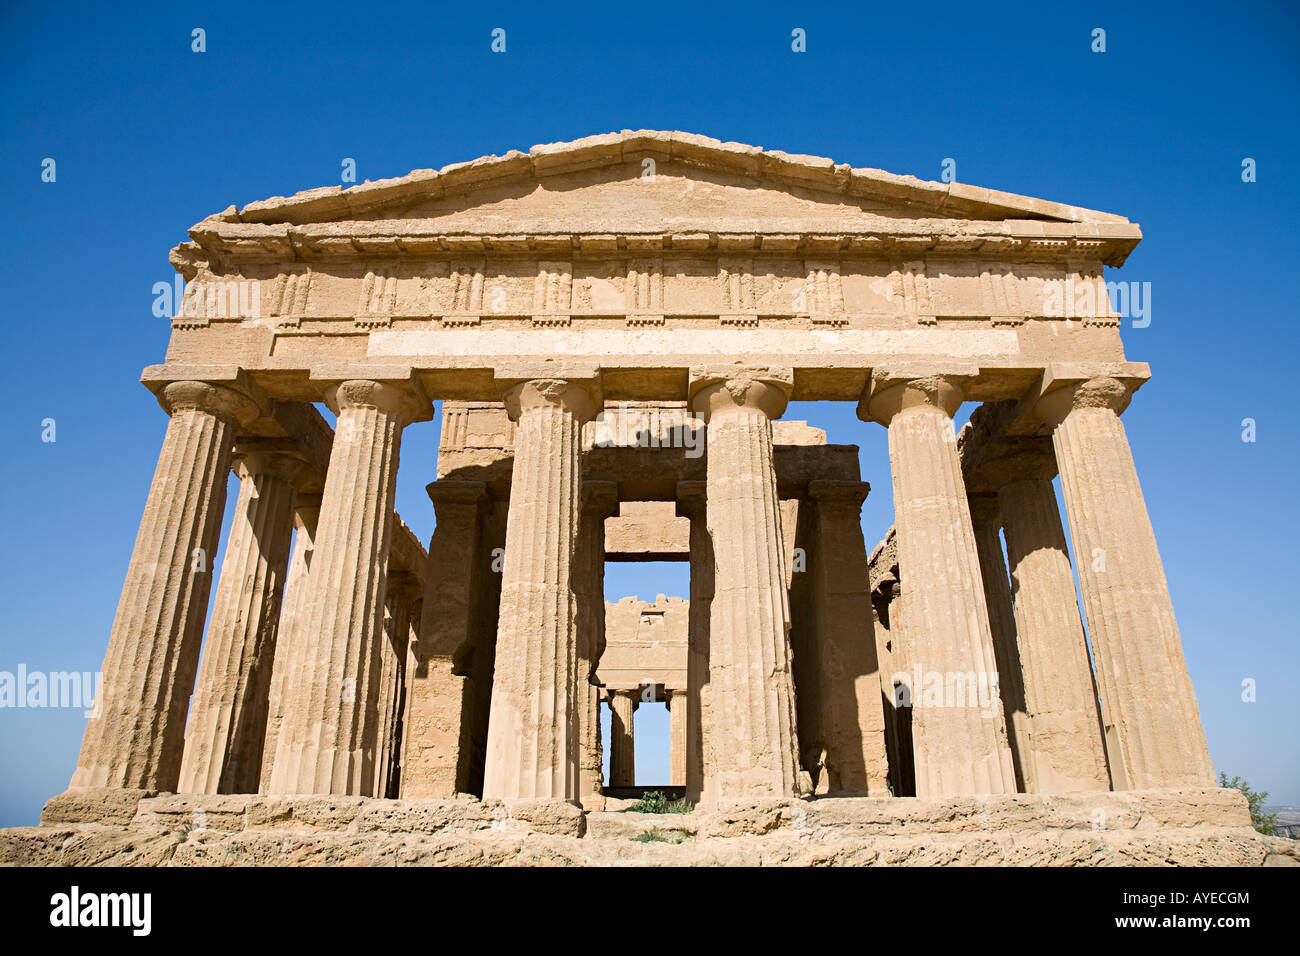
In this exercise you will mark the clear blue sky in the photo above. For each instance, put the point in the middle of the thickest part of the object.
(150, 137)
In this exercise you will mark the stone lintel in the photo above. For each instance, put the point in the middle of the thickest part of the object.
(301, 422)
(831, 490)
(692, 496)
(406, 554)
(600, 497)
(659, 372)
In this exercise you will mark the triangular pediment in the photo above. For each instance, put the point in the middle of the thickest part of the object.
(646, 181)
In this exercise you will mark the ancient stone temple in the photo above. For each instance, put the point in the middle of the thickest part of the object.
(612, 329)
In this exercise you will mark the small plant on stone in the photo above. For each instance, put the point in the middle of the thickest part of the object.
(654, 801)
(655, 835)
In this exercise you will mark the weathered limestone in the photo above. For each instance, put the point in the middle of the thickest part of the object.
(891, 648)
(692, 503)
(401, 591)
(754, 739)
(438, 746)
(227, 721)
(599, 501)
(136, 737)
(1185, 827)
(646, 531)
(533, 744)
(959, 739)
(839, 682)
(1145, 688)
(1060, 697)
(986, 523)
(622, 737)
(647, 644)
(323, 739)
(293, 645)
(677, 708)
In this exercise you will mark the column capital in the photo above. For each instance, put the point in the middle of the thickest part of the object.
(228, 404)
(852, 492)
(723, 388)
(1100, 392)
(287, 458)
(403, 400)
(307, 505)
(999, 446)
(250, 462)
(894, 389)
(455, 491)
(580, 397)
(631, 695)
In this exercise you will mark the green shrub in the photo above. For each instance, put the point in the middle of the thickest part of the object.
(1265, 823)
(655, 802)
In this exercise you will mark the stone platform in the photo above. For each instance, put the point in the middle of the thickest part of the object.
(1185, 827)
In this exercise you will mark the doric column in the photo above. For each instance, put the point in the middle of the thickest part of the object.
(227, 721)
(622, 739)
(401, 591)
(677, 708)
(986, 522)
(323, 739)
(755, 743)
(599, 501)
(1060, 696)
(292, 644)
(959, 739)
(1145, 689)
(692, 501)
(439, 710)
(533, 745)
(137, 737)
(903, 773)
(851, 718)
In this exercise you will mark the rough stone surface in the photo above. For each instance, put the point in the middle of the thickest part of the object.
(1137, 828)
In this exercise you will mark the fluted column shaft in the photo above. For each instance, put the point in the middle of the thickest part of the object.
(1060, 695)
(959, 738)
(754, 736)
(986, 522)
(137, 737)
(400, 590)
(227, 721)
(436, 739)
(692, 503)
(533, 742)
(622, 738)
(847, 683)
(1145, 688)
(325, 739)
(600, 501)
(292, 645)
(677, 708)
